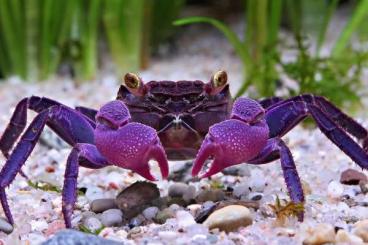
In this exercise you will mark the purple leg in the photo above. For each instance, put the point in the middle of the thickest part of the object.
(340, 118)
(89, 112)
(274, 149)
(268, 102)
(62, 116)
(285, 116)
(19, 119)
(85, 155)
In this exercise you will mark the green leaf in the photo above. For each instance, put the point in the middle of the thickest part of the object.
(359, 14)
(228, 33)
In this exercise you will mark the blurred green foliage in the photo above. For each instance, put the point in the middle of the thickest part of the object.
(37, 35)
(336, 76)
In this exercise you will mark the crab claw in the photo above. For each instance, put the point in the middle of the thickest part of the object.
(229, 143)
(127, 144)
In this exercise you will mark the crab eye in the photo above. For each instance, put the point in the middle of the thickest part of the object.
(219, 79)
(132, 81)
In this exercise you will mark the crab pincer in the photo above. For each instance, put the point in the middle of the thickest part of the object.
(233, 141)
(128, 144)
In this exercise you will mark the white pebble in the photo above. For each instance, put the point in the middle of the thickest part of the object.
(257, 180)
(184, 218)
(39, 225)
(335, 189)
(241, 189)
(93, 193)
(92, 223)
(167, 235)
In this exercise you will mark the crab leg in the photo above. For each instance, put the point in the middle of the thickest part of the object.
(276, 148)
(89, 112)
(65, 118)
(18, 122)
(271, 101)
(85, 155)
(285, 116)
(340, 118)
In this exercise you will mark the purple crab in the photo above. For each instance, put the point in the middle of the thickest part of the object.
(163, 120)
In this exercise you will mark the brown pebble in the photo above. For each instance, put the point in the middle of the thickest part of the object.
(352, 177)
(137, 197)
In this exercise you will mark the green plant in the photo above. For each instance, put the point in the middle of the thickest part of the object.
(257, 50)
(336, 76)
(123, 24)
(82, 46)
(31, 33)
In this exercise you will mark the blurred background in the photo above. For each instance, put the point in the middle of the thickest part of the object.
(276, 47)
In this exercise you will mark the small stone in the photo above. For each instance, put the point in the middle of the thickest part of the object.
(229, 218)
(344, 237)
(163, 215)
(185, 219)
(112, 217)
(39, 225)
(54, 227)
(174, 207)
(257, 180)
(322, 233)
(92, 223)
(211, 238)
(241, 189)
(5, 226)
(150, 213)
(352, 177)
(135, 232)
(178, 189)
(361, 229)
(77, 237)
(87, 214)
(255, 196)
(100, 205)
(189, 194)
(137, 197)
(335, 189)
(94, 193)
(306, 188)
(363, 186)
(194, 209)
(168, 235)
(136, 221)
(210, 195)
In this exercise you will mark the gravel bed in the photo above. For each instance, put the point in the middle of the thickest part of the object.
(335, 212)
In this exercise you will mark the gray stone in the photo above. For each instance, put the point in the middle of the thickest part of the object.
(112, 217)
(255, 196)
(92, 223)
(5, 226)
(150, 213)
(210, 195)
(163, 215)
(100, 205)
(72, 237)
(189, 194)
(136, 221)
(177, 189)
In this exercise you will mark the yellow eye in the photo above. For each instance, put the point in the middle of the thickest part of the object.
(132, 80)
(220, 79)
